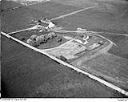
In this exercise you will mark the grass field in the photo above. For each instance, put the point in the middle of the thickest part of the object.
(109, 67)
(95, 19)
(53, 9)
(6, 5)
(122, 44)
(19, 19)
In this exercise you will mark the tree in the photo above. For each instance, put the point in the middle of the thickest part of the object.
(43, 38)
(38, 40)
(22, 38)
(31, 42)
(50, 35)
(59, 39)
(33, 37)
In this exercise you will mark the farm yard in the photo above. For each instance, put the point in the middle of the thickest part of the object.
(28, 73)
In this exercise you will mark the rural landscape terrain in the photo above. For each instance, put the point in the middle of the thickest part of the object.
(64, 48)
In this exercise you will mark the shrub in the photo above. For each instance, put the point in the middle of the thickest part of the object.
(22, 38)
(33, 37)
(59, 39)
(31, 42)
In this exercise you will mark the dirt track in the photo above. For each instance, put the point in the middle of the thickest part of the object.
(72, 13)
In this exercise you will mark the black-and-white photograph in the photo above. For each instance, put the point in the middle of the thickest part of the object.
(64, 48)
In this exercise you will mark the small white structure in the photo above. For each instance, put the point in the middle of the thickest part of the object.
(93, 46)
(80, 29)
(85, 38)
(51, 25)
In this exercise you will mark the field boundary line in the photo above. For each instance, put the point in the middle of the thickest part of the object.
(71, 13)
(110, 85)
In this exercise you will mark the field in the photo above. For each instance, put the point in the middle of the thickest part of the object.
(109, 67)
(26, 73)
(122, 44)
(7, 5)
(96, 19)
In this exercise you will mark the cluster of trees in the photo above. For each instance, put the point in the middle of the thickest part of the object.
(35, 40)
